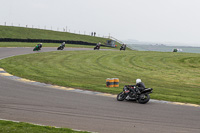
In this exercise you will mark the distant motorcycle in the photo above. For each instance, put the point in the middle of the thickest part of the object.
(61, 47)
(130, 93)
(97, 47)
(37, 48)
(123, 47)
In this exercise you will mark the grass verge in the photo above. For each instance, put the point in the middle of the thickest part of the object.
(21, 127)
(174, 76)
(31, 33)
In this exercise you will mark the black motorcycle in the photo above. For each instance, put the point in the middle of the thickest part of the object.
(97, 47)
(61, 47)
(123, 48)
(131, 92)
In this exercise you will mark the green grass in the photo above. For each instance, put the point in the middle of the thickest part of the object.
(25, 33)
(21, 127)
(30, 33)
(174, 76)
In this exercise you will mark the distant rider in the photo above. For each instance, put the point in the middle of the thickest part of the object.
(63, 44)
(124, 46)
(98, 44)
(39, 45)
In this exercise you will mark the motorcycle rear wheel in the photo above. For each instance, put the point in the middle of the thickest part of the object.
(121, 96)
(144, 98)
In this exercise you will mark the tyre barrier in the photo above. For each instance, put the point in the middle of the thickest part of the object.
(45, 41)
(107, 82)
(116, 82)
(112, 82)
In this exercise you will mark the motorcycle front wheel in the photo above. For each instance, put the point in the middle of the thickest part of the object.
(35, 49)
(121, 96)
(144, 98)
(58, 48)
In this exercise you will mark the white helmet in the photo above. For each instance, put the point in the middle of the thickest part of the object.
(138, 81)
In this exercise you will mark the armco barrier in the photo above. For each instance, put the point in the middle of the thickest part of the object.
(45, 41)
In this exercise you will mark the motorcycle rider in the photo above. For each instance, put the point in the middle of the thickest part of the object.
(39, 46)
(63, 44)
(136, 92)
(139, 86)
(98, 44)
(136, 88)
(123, 47)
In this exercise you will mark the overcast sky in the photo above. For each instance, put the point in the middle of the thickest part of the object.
(143, 20)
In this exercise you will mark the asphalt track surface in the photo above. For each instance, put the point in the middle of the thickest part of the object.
(24, 102)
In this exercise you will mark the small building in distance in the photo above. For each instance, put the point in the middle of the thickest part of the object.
(111, 43)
